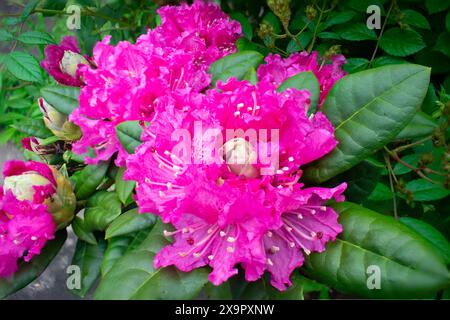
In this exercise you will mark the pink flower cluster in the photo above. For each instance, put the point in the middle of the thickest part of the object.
(129, 79)
(226, 215)
(25, 222)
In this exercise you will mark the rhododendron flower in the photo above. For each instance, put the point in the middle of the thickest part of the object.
(130, 78)
(277, 69)
(62, 61)
(25, 227)
(224, 211)
(41, 184)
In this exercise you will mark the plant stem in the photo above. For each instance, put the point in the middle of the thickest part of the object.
(381, 33)
(391, 183)
(413, 144)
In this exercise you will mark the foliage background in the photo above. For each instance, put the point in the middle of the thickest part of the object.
(408, 179)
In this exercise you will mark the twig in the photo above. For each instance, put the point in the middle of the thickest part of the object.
(381, 33)
(413, 144)
(391, 183)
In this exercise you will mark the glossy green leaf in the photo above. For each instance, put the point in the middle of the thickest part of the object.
(29, 271)
(421, 125)
(129, 222)
(431, 234)
(133, 276)
(235, 65)
(304, 80)
(101, 209)
(409, 265)
(124, 188)
(89, 179)
(81, 232)
(33, 127)
(88, 258)
(23, 66)
(368, 109)
(426, 191)
(62, 98)
(35, 37)
(415, 19)
(129, 134)
(116, 248)
(401, 42)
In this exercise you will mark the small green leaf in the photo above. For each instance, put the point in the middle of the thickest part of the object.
(431, 234)
(87, 181)
(62, 98)
(28, 271)
(443, 43)
(357, 32)
(387, 60)
(88, 258)
(435, 6)
(101, 209)
(23, 66)
(415, 19)
(304, 80)
(411, 159)
(401, 42)
(381, 193)
(426, 191)
(124, 188)
(33, 127)
(336, 19)
(235, 65)
(130, 221)
(80, 231)
(35, 37)
(5, 35)
(129, 134)
(356, 64)
(31, 5)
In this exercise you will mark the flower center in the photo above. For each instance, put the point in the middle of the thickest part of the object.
(240, 157)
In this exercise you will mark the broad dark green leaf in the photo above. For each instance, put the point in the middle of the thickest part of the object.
(129, 134)
(62, 98)
(304, 80)
(410, 266)
(421, 125)
(101, 209)
(401, 42)
(443, 43)
(435, 6)
(33, 127)
(35, 37)
(124, 188)
(222, 292)
(336, 19)
(81, 232)
(89, 258)
(133, 276)
(116, 248)
(426, 191)
(87, 181)
(29, 271)
(23, 66)
(356, 32)
(431, 234)
(368, 109)
(235, 65)
(129, 222)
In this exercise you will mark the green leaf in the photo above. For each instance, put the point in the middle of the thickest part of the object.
(5, 35)
(130, 221)
(89, 258)
(447, 21)
(356, 64)
(129, 134)
(304, 80)
(410, 266)
(421, 125)
(356, 32)
(426, 191)
(251, 76)
(235, 65)
(81, 232)
(89, 179)
(31, 5)
(29, 271)
(304, 38)
(33, 127)
(443, 43)
(381, 193)
(62, 98)
(23, 66)
(387, 60)
(221, 292)
(35, 37)
(123, 188)
(368, 109)
(117, 246)
(247, 29)
(335, 19)
(133, 276)
(431, 234)
(415, 19)
(435, 6)
(101, 209)
(401, 42)
(411, 159)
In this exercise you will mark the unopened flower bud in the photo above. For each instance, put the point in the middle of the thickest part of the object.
(70, 61)
(281, 9)
(240, 157)
(310, 12)
(43, 184)
(59, 123)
